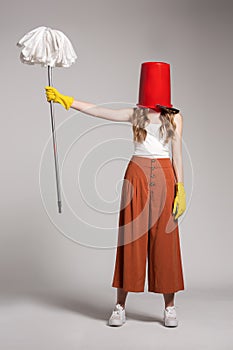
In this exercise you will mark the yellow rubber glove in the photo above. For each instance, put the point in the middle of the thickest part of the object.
(55, 96)
(180, 200)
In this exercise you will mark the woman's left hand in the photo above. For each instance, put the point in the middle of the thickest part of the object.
(180, 200)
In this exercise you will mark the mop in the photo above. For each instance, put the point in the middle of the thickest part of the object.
(50, 48)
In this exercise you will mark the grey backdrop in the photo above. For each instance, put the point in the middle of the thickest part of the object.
(111, 39)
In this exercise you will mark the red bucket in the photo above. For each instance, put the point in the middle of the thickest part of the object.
(155, 88)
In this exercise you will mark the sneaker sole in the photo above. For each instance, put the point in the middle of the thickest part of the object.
(115, 324)
(171, 323)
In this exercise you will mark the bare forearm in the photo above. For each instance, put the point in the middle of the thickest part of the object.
(85, 107)
(102, 112)
(178, 168)
(177, 157)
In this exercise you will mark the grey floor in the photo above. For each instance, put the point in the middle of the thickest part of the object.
(64, 322)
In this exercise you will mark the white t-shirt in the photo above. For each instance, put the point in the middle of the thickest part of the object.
(153, 146)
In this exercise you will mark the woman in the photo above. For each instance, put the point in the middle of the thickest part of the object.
(152, 202)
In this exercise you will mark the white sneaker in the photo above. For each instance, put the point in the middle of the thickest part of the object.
(170, 318)
(118, 316)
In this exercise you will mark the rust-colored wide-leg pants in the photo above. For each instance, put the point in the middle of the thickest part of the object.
(147, 229)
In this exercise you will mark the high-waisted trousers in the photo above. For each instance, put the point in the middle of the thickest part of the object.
(147, 229)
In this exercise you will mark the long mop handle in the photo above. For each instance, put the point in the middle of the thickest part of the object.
(54, 144)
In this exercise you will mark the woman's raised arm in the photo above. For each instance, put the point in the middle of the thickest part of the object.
(118, 115)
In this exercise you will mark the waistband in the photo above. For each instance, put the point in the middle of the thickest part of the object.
(149, 162)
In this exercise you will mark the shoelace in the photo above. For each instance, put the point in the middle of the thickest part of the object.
(171, 312)
(116, 313)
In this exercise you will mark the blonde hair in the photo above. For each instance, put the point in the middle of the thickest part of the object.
(140, 119)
